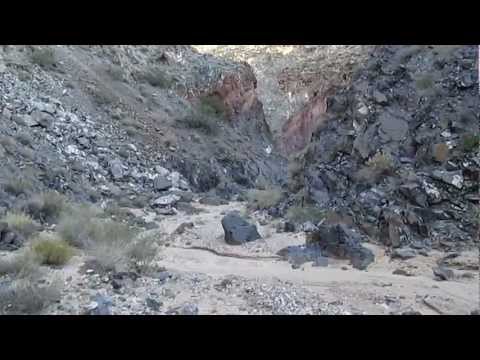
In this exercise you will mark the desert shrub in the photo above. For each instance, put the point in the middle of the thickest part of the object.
(102, 96)
(470, 143)
(17, 186)
(156, 78)
(425, 84)
(113, 244)
(444, 52)
(24, 296)
(406, 52)
(378, 166)
(381, 162)
(264, 199)
(21, 223)
(74, 223)
(300, 215)
(142, 250)
(201, 122)
(108, 241)
(212, 106)
(440, 152)
(46, 206)
(50, 249)
(129, 122)
(19, 265)
(43, 57)
(132, 131)
(117, 212)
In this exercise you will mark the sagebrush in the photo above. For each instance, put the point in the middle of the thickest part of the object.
(20, 223)
(50, 249)
(264, 199)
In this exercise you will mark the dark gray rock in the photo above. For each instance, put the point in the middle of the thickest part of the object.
(392, 128)
(404, 253)
(475, 312)
(153, 304)
(342, 242)
(161, 183)
(212, 200)
(182, 227)
(402, 272)
(162, 276)
(379, 97)
(100, 306)
(366, 143)
(9, 240)
(411, 312)
(285, 226)
(237, 230)
(84, 142)
(443, 274)
(309, 227)
(42, 119)
(299, 255)
(116, 169)
(187, 309)
(116, 284)
(415, 194)
(168, 211)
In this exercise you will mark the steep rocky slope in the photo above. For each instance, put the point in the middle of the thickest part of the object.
(107, 120)
(399, 151)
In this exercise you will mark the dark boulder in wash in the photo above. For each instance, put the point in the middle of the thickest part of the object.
(237, 230)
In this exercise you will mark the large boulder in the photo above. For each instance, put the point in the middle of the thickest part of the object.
(237, 230)
(161, 183)
(340, 241)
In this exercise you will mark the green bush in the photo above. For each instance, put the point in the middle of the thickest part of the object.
(212, 106)
(300, 215)
(264, 199)
(201, 122)
(157, 78)
(50, 249)
(43, 57)
(102, 96)
(21, 223)
(471, 143)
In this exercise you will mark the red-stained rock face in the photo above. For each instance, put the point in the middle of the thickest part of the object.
(298, 130)
(238, 93)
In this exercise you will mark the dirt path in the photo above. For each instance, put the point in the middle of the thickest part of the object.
(376, 291)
